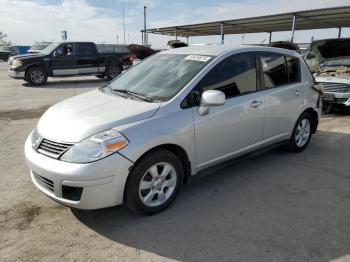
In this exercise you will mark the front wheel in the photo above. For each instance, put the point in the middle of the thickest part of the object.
(112, 71)
(302, 133)
(36, 76)
(154, 182)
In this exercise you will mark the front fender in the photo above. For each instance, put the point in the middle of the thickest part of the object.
(172, 128)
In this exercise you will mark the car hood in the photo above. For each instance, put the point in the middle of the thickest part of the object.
(79, 117)
(330, 49)
(28, 56)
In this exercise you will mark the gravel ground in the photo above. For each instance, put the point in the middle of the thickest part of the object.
(275, 206)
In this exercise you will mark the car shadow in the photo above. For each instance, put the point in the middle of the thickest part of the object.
(67, 84)
(262, 208)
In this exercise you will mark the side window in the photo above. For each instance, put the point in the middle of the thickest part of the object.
(293, 67)
(64, 50)
(86, 49)
(236, 75)
(274, 70)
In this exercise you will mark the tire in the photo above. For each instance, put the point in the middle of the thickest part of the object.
(36, 76)
(148, 191)
(112, 71)
(302, 133)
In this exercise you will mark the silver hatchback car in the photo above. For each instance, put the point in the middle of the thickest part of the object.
(138, 139)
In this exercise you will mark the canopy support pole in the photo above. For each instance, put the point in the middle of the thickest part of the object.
(339, 32)
(175, 33)
(187, 40)
(222, 33)
(270, 38)
(293, 29)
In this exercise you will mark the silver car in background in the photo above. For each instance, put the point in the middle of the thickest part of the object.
(138, 139)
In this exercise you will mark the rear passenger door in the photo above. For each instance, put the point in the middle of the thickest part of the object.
(281, 80)
(237, 126)
(87, 59)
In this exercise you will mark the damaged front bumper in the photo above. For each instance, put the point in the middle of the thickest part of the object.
(336, 93)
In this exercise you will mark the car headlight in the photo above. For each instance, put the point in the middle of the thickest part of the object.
(95, 147)
(16, 62)
(35, 138)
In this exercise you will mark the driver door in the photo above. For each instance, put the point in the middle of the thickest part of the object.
(237, 126)
(64, 61)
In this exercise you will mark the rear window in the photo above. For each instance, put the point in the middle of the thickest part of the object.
(279, 70)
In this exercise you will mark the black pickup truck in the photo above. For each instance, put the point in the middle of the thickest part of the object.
(68, 59)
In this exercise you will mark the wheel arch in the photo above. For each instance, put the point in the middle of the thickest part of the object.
(113, 62)
(175, 149)
(35, 65)
(314, 116)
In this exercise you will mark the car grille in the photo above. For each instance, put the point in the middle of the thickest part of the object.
(47, 183)
(52, 149)
(335, 87)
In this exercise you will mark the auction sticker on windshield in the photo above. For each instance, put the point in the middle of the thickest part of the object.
(200, 58)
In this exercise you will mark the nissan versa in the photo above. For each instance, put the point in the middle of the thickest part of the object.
(138, 139)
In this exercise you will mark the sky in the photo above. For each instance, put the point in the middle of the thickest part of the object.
(101, 21)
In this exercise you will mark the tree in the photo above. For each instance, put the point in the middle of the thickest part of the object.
(2, 39)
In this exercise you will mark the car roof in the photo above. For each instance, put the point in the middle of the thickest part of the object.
(216, 50)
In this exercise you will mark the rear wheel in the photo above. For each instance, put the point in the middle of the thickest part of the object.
(112, 71)
(154, 182)
(36, 76)
(302, 133)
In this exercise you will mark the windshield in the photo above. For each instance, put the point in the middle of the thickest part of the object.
(38, 47)
(161, 76)
(49, 49)
(337, 62)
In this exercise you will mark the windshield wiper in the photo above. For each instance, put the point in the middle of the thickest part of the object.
(127, 93)
(120, 92)
(140, 96)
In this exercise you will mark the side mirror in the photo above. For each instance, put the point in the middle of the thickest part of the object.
(210, 98)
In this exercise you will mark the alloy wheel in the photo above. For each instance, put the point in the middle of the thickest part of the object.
(113, 72)
(302, 132)
(37, 76)
(157, 184)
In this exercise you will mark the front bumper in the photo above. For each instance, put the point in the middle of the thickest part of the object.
(16, 74)
(336, 98)
(102, 182)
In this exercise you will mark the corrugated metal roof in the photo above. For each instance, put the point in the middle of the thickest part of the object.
(334, 17)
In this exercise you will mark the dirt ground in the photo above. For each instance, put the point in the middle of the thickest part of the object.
(275, 206)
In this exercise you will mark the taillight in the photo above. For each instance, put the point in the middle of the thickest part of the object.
(132, 58)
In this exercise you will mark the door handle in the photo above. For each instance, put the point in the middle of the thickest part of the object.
(297, 93)
(255, 104)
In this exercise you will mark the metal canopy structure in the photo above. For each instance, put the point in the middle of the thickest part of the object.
(335, 17)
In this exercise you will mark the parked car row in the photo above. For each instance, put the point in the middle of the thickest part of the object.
(7, 51)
